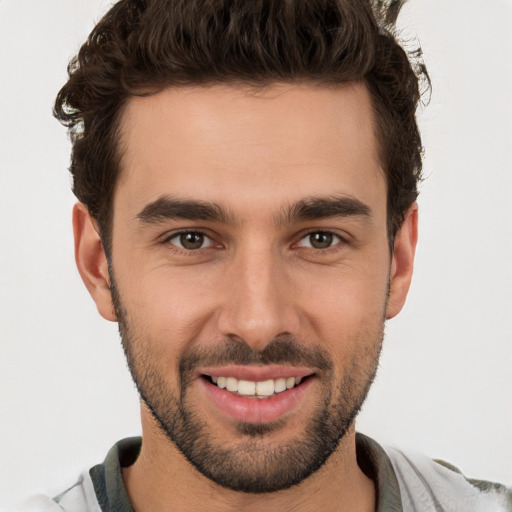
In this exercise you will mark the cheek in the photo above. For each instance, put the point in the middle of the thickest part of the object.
(347, 301)
(168, 304)
(347, 319)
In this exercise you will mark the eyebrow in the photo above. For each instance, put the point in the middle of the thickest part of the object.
(313, 208)
(168, 208)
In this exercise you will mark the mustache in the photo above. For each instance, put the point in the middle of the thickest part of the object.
(283, 349)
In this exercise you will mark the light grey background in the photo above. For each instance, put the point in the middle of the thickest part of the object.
(445, 385)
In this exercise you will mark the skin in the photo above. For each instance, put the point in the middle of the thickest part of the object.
(257, 277)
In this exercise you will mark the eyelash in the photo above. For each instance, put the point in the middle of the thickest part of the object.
(327, 250)
(190, 252)
(181, 250)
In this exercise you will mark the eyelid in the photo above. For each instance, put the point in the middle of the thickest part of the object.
(339, 239)
(334, 243)
(167, 239)
(342, 243)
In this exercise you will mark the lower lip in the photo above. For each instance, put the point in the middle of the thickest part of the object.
(257, 410)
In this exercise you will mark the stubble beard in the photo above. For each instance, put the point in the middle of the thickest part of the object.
(254, 464)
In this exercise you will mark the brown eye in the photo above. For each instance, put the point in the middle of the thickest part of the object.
(320, 240)
(190, 240)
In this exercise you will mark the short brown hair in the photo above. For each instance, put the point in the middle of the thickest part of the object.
(143, 46)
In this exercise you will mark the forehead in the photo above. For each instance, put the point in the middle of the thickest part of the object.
(238, 146)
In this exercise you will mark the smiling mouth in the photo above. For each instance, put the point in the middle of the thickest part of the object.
(255, 389)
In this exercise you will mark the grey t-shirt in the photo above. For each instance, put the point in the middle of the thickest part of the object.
(404, 483)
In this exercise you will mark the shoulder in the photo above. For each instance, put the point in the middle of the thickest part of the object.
(426, 484)
(80, 497)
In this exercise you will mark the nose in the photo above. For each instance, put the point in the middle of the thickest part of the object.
(258, 299)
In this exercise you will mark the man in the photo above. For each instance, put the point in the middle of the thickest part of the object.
(247, 176)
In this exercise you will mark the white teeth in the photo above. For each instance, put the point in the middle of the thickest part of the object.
(246, 387)
(260, 389)
(279, 385)
(232, 384)
(265, 388)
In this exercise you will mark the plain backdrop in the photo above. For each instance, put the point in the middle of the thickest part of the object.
(444, 387)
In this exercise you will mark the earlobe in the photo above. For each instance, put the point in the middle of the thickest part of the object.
(91, 261)
(402, 262)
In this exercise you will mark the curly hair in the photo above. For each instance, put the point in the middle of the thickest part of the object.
(141, 47)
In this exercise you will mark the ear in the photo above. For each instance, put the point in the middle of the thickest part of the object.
(402, 262)
(91, 261)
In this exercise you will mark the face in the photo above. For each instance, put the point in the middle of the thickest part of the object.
(251, 272)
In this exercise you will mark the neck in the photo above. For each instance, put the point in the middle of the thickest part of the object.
(162, 480)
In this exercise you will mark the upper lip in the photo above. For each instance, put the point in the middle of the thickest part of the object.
(256, 373)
